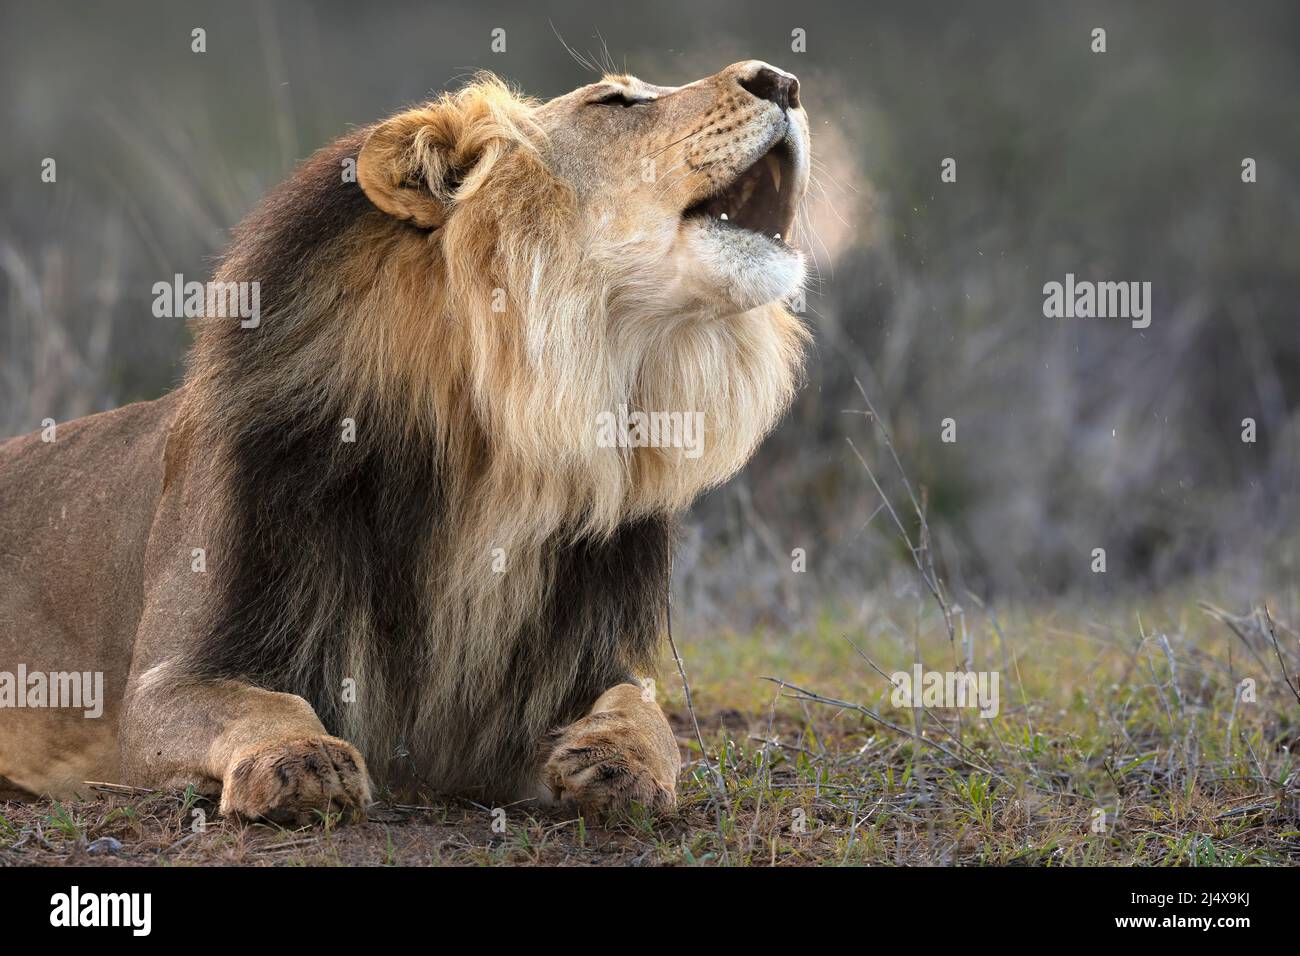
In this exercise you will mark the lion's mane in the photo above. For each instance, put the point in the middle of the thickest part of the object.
(473, 355)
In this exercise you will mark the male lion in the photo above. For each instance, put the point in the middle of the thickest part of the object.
(380, 522)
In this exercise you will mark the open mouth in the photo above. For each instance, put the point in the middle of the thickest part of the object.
(760, 199)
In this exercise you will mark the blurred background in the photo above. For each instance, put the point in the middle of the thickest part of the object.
(1072, 434)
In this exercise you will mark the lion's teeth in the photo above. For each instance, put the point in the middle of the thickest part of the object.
(774, 168)
(724, 215)
(746, 190)
(776, 235)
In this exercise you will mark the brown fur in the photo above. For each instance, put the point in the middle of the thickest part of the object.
(500, 274)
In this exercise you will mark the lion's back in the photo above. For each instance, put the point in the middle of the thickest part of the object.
(75, 514)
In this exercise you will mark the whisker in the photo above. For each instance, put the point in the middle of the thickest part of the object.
(806, 213)
(829, 203)
(581, 60)
(609, 60)
(688, 136)
(825, 171)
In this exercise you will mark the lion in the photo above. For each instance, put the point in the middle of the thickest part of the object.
(371, 543)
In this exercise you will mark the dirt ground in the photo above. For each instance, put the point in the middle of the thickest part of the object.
(124, 827)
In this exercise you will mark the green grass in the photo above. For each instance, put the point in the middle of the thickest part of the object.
(1128, 712)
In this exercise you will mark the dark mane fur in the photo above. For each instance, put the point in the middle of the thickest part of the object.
(322, 543)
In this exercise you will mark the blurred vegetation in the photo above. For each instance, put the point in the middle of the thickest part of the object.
(1071, 434)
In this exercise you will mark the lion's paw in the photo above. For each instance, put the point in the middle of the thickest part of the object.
(607, 761)
(297, 782)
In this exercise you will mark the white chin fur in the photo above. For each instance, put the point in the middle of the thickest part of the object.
(739, 270)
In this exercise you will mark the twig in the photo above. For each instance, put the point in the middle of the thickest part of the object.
(1272, 633)
(868, 712)
(120, 789)
(1231, 622)
(922, 550)
(721, 798)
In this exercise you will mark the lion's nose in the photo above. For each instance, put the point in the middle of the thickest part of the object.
(769, 83)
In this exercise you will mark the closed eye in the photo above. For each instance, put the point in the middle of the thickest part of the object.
(620, 98)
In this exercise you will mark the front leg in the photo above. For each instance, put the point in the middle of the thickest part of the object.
(623, 751)
(266, 752)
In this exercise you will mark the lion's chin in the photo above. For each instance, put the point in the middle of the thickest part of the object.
(739, 269)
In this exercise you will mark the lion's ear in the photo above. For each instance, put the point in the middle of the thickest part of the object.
(412, 164)
(416, 164)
